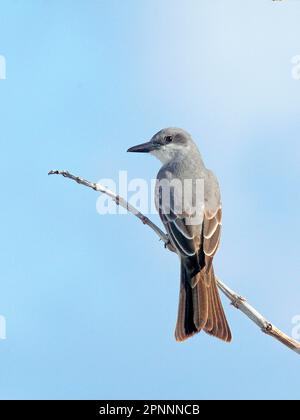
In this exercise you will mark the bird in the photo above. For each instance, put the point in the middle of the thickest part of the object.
(194, 237)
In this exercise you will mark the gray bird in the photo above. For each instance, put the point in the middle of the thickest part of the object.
(195, 240)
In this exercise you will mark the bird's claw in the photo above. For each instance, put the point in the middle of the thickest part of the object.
(168, 244)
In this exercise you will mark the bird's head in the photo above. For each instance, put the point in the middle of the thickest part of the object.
(166, 145)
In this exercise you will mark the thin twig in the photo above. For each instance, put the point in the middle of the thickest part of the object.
(236, 300)
(120, 202)
(266, 326)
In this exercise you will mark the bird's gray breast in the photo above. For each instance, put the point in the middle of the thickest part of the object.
(184, 184)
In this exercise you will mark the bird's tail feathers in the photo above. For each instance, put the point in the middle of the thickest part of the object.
(200, 307)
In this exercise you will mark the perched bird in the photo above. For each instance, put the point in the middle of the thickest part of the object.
(195, 239)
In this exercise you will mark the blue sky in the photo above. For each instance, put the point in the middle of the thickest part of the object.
(90, 301)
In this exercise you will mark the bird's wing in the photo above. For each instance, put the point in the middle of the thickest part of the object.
(185, 236)
(212, 221)
(212, 224)
(190, 239)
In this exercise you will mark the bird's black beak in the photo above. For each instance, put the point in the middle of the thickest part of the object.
(142, 148)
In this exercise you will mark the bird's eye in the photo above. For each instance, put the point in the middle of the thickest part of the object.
(168, 139)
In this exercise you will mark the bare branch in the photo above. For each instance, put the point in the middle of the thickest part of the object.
(268, 328)
(236, 300)
(120, 202)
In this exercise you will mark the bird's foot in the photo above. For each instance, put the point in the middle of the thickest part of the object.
(168, 245)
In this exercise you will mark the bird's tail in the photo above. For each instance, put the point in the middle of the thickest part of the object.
(200, 307)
